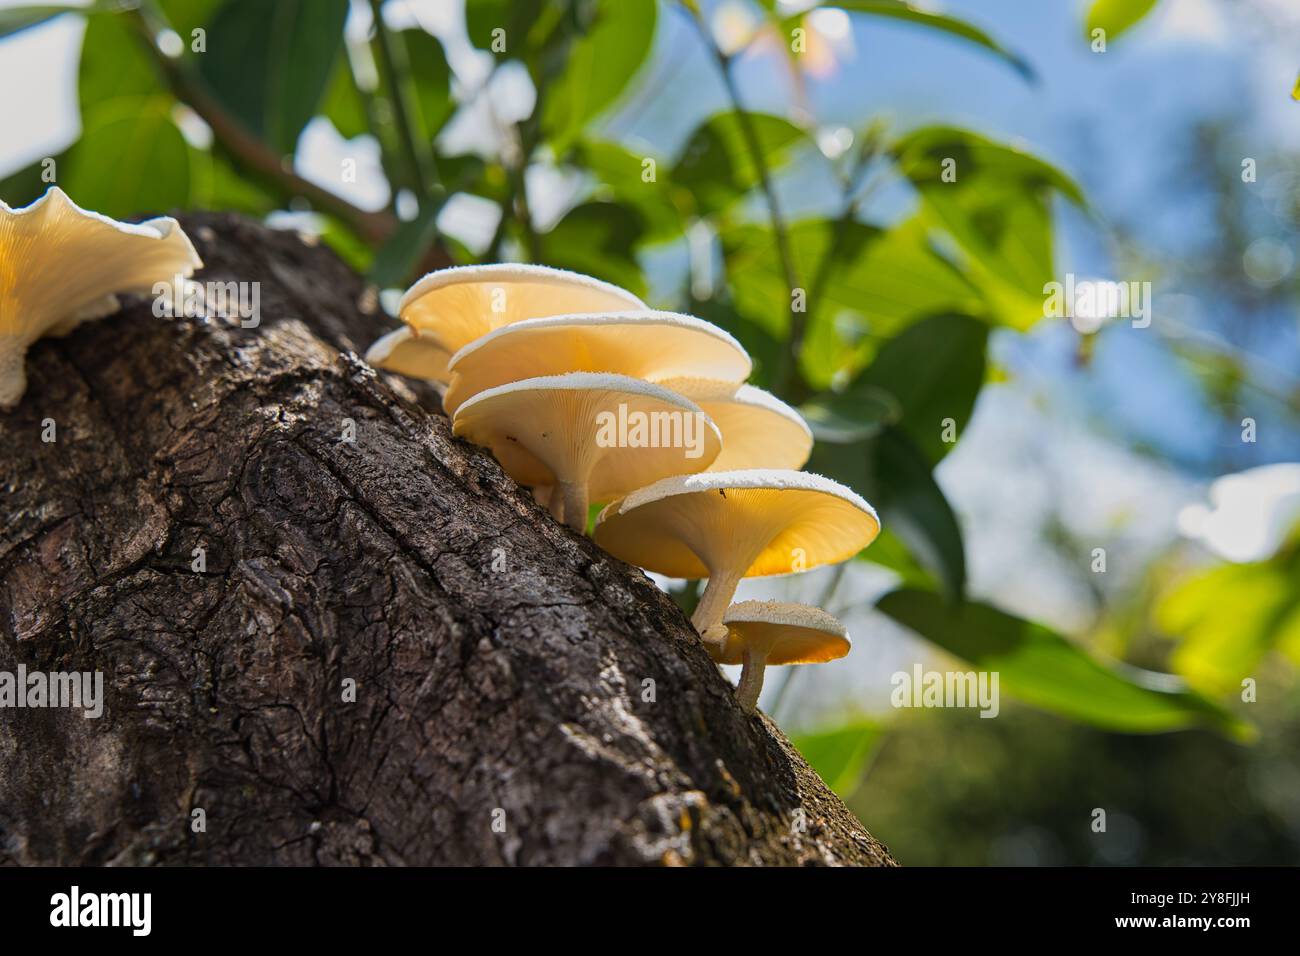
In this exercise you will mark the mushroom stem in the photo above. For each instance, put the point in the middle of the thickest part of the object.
(713, 604)
(13, 372)
(555, 504)
(542, 495)
(574, 494)
(751, 678)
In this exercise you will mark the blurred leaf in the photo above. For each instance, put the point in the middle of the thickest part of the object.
(621, 175)
(24, 187)
(839, 755)
(16, 19)
(598, 67)
(186, 15)
(893, 474)
(889, 552)
(343, 105)
(885, 278)
(131, 160)
(114, 63)
(844, 418)
(397, 258)
(716, 168)
(599, 239)
(764, 348)
(920, 156)
(996, 207)
(899, 10)
(1044, 669)
(1229, 617)
(933, 370)
(1116, 16)
(430, 78)
(270, 64)
(524, 25)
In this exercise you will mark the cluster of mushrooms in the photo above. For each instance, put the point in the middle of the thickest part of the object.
(531, 361)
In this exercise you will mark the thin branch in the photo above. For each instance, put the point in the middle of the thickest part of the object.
(392, 61)
(248, 150)
(789, 377)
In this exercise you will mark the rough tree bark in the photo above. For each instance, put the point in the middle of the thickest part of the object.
(498, 658)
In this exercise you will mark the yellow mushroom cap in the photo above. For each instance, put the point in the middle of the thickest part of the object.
(758, 429)
(544, 430)
(737, 523)
(61, 265)
(788, 633)
(648, 345)
(406, 353)
(455, 306)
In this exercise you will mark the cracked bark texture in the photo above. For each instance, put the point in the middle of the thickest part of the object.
(499, 659)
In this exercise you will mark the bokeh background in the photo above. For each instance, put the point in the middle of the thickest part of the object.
(713, 157)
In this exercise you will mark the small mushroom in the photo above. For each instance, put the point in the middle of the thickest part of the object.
(61, 265)
(647, 345)
(407, 353)
(736, 524)
(759, 633)
(555, 430)
(455, 306)
(758, 429)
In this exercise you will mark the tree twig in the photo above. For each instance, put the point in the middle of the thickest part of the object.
(789, 378)
(247, 149)
(419, 155)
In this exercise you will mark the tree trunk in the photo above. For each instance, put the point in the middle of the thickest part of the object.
(520, 696)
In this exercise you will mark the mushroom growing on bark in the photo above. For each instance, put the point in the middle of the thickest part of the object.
(648, 345)
(450, 308)
(731, 525)
(759, 633)
(575, 433)
(758, 429)
(61, 265)
(404, 352)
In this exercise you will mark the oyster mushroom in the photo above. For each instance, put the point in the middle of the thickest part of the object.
(406, 353)
(759, 633)
(758, 429)
(731, 525)
(647, 345)
(556, 431)
(61, 265)
(450, 308)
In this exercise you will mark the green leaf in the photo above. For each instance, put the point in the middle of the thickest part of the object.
(839, 755)
(343, 105)
(397, 258)
(1116, 16)
(523, 24)
(899, 10)
(599, 65)
(431, 75)
(131, 160)
(185, 16)
(599, 239)
(933, 370)
(16, 19)
(623, 176)
(717, 168)
(113, 64)
(270, 64)
(884, 279)
(1229, 618)
(1042, 668)
(25, 186)
(893, 474)
(921, 154)
(994, 201)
